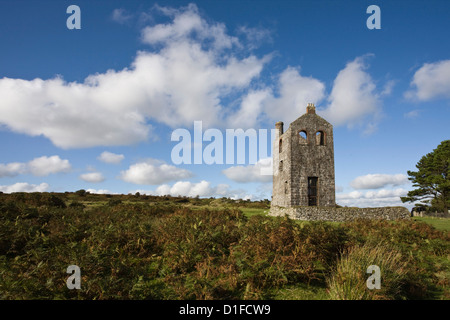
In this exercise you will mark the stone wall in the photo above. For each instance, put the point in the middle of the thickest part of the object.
(340, 214)
(431, 214)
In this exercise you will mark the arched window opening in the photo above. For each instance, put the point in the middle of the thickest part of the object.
(281, 166)
(320, 138)
(280, 145)
(285, 187)
(303, 137)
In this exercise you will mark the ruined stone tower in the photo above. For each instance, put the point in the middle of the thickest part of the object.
(303, 162)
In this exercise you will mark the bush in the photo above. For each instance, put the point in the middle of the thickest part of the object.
(159, 249)
(77, 204)
(114, 202)
(195, 248)
(81, 193)
(348, 281)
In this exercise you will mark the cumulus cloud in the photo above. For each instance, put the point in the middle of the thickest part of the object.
(202, 189)
(353, 99)
(24, 187)
(431, 81)
(109, 157)
(12, 169)
(100, 191)
(250, 173)
(93, 177)
(44, 166)
(153, 172)
(40, 167)
(194, 70)
(376, 181)
(188, 23)
(251, 110)
(294, 93)
(379, 198)
(185, 78)
(73, 114)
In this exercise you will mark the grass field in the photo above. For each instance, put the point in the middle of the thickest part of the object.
(145, 247)
(438, 223)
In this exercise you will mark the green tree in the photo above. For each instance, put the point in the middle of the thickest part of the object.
(432, 179)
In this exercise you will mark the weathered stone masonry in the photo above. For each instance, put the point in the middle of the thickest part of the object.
(303, 174)
(340, 214)
(303, 162)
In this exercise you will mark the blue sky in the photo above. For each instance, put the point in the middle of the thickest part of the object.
(95, 108)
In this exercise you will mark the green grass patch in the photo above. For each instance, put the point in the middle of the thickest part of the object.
(438, 223)
(249, 212)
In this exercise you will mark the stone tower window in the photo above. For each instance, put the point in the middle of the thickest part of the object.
(320, 138)
(303, 137)
(280, 145)
(281, 166)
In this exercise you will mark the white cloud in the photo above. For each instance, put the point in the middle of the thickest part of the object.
(194, 71)
(94, 177)
(251, 109)
(353, 98)
(187, 23)
(44, 166)
(24, 187)
(353, 101)
(12, 169)
(388, 87)
(250, 173)
(256, 36)
(385, 193)
(184, 79)
(109, 157)
(202, 189)
(73, 114)
(40, 167)
(380, 198)
(294, 93)
(121, 16)
(376, 181)
(153, 172)
(431, 81)
(100, 191)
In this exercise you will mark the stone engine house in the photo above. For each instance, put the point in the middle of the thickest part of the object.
(303, 162)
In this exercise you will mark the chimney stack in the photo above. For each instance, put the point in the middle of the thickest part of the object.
(279, 127)
(311, 109)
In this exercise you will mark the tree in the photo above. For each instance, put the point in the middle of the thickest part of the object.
(81, 192)
(432, 179)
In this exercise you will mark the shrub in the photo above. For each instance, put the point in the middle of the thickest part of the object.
(77, 204)
(348, 282)
(271, 252)
(194, 248)
(81, 193)
(114, 202)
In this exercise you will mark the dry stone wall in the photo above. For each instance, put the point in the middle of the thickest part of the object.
(340, 214)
